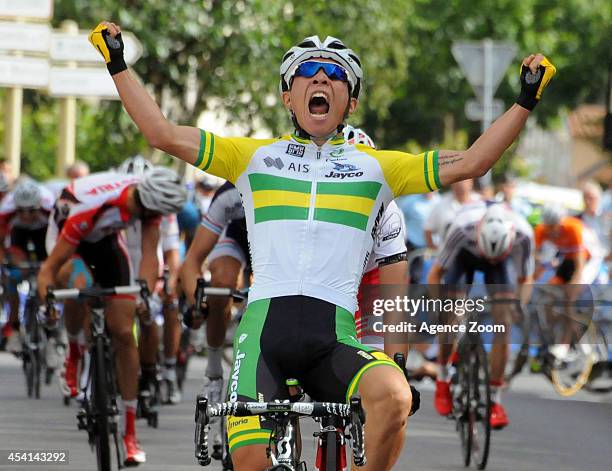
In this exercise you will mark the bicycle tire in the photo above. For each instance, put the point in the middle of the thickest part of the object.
(28, 370)
(36, 372)
(331, 451)
(482, 401)
(461, 401)
(568, 390)
(100, 405)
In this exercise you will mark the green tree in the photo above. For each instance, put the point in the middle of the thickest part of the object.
(199, 55)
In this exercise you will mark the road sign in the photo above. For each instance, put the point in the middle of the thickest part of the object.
(82, 82)
(470, 55)
(69, 47)
(26, 72)
(475, 111)
(25, 37)
(35, 9)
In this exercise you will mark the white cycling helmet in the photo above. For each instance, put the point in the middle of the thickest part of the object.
(357, 136)
(552, 214)
(136, 165)
(161, 190)
(312, 48)
(27, 195)
(496, 233)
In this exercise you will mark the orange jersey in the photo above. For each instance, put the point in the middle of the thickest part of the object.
(569, 239)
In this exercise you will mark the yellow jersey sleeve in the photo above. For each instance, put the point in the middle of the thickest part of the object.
(407, 173)
(226, 157)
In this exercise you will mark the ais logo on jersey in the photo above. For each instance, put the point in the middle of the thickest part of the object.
(343, 171)
(296, 150)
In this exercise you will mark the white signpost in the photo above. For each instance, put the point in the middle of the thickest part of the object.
(24, 72)
(82, 82)
(69, 47)
(25, 37)
(474, 109)
(64, 63)
(484, 64)
(32, 9)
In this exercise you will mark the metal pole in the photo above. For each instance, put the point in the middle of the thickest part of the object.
(487, 116)
(12, 128)
(67, 118)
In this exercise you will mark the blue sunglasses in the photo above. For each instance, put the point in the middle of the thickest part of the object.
(311, 68)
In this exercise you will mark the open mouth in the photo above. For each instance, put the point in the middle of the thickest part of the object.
(318, 105)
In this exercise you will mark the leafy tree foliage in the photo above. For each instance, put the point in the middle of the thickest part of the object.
(205, 54)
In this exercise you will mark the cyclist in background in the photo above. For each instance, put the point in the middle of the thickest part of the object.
(222, 240)
(309, 232)
(493, 239)
(24, 216)
(86, 246)
(443, 214)
(168, 256)
(575, 246)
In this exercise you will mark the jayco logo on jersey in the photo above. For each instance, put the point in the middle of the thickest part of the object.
(343, 171)
(296, 150)
(299, 167)
(270, 162)
(235, 374)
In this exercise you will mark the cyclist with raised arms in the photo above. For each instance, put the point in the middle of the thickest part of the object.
(490, 238)
(86, 246)
(24, 216)
(313, 204)
(168, 256)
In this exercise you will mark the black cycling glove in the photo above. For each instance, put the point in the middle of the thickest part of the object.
(532, 85)
(110, 48)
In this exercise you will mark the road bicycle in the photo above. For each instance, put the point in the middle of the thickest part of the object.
(561, 340)
(99, 414)
(471, 398)
(337, 423)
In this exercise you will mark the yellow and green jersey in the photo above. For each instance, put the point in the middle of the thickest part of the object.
(312, 211)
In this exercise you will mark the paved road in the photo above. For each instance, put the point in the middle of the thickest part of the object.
(547, 432)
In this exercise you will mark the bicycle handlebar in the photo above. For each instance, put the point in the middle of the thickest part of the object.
(308, 409)
(95, 292)
(352, 411)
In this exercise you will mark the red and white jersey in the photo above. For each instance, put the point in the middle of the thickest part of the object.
(91, 208)
(389, 242)
(390, 237)
(10, 218)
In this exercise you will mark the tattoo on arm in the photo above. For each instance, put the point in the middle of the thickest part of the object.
(448, 159)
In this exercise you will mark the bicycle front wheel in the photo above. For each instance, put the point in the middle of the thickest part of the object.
(572, 364)
(100, 406)
(480, 405)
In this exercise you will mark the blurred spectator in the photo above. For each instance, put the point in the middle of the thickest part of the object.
(7, 170)
(416, 210)
(507, 189)
(593, 215)
(443, 214)
(77, 170)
